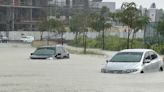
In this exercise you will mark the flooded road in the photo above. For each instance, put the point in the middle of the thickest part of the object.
(80, 73)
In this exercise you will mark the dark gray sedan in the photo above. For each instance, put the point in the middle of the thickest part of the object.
(50, 52)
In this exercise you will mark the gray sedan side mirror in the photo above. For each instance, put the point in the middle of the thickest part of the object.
(58, 55)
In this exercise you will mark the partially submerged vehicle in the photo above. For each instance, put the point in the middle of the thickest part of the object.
(50, 52)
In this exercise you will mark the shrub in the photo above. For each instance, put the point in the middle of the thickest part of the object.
(113, 43)
(158, 48)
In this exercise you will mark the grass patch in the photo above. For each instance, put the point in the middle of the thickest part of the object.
(15, 46)
(38, 43)
(74, 51)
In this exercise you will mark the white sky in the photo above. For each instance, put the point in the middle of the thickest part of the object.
(144, 3)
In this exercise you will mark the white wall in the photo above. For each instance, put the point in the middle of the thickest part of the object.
(16, 35)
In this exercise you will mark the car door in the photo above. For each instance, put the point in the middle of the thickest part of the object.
(58, 52)
(154, 61)
(147, 66)
(62, 52)
(65, 54)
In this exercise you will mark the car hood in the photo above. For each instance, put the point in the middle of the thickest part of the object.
(122, 65)
(40, 56)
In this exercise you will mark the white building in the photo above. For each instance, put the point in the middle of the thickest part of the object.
(153, 13)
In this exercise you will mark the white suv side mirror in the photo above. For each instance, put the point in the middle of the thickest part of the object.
(147, 61)
(107, 61)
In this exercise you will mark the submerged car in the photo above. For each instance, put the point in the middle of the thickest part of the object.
(27, 39)
(3, 39)
(134, 61)
(50, 52)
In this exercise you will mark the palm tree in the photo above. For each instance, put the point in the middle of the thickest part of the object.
(129, 17)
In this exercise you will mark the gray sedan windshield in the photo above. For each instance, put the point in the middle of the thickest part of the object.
(127, 57)
(44, 51)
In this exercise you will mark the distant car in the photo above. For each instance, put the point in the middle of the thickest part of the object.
(134, 61)
(50, 52)
(28, 39)
(3, 39)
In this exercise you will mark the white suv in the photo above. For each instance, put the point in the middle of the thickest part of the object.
(27, 39)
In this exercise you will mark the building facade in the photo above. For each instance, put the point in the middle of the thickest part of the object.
(21, 15)
(99, 5)
(155, 15)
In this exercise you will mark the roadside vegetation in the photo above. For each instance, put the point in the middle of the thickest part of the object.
(112, 43)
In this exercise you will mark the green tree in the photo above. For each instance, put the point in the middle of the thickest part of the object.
(61, 29)
(101, 22)
(85, 24)
(81, 23)
(141, 22)
(75, 26)
(160, 29)
(105, 23)
(129, 15)
(133, 18)
(160, 26)
(42, 26)
(57, 26)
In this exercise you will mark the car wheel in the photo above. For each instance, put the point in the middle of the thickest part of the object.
(161, 68)
(68, 56)
(142, 72)
(103, 70)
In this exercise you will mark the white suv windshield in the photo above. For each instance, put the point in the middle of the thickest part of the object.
(127, 57)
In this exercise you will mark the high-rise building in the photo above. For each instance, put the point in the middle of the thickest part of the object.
(73, 3)
(154, 14)
(80, 3)
(21, 15)
(99, 5)
(68, 7)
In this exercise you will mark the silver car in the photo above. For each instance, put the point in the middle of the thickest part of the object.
(133, 61)
(50, 52)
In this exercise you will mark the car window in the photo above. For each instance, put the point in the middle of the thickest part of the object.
(147, 56)
(59, 49)
(153, 55)
(44, 51)
(63, 49)
(24, 37)
(127, 57)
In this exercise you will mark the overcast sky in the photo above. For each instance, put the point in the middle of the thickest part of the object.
(144, 3)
